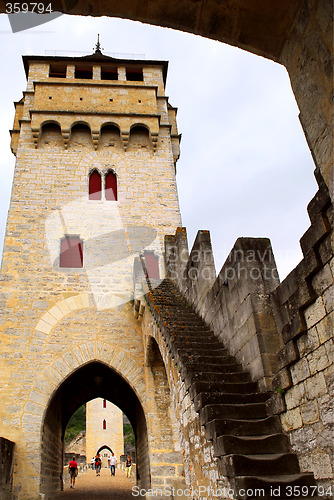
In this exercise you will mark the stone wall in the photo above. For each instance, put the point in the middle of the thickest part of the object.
(6, 468)
(237, 304)
(193, 463)
(282, 333)
(308, 57)
(303, 306)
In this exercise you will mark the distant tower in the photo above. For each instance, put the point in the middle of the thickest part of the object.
(96, 144)
(104, 430)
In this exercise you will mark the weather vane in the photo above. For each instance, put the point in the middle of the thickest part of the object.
(98, 47)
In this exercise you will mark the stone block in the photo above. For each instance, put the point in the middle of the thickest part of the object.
(310, 412)
(316, 386)
(325, 405)
(282, 380)
(318, 359)
(325, 249)
(162, 470)
(294, 328)
(329, 345)
(322, 280)
(319, 463)
(43, 327)
(288, 355)
(315, 312)
(308, 342)
(328, 298)
(295, 396)
(291, 420)
(300, 371)
(276, 404)
(325, 328)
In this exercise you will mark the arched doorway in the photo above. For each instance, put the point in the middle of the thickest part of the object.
(92, 380)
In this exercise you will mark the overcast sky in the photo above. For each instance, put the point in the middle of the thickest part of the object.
(245, 168)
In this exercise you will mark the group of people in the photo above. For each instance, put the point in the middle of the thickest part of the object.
(96, 463)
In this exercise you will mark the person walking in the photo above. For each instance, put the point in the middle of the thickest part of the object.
(73, 470)
(98, 464)
(128, 466)
(112, 463)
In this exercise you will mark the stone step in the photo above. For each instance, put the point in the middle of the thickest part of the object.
(200, 386)
(275, 486)
(205, 398)
(204, 342)
(261, 465)
(215, 377)
(213, 368)
(193, 352)
(239, 427)
(233, 411)
(274, 443)
(197, 358)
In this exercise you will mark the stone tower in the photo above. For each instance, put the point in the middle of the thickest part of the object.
(104, 430)
(96, 144)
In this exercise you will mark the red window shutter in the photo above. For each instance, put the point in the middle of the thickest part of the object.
(71, 254)
(152, 265)
(111, 187)
(95, 186)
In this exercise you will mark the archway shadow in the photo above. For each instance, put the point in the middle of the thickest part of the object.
(92, 380)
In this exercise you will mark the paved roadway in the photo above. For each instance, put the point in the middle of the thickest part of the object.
(88, 486)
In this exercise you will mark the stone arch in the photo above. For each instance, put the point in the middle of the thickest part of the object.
(81, 136)
(50, 135)
(140, 138)
(161, 392)
(87, 381)
(104, 447)
(110, 137)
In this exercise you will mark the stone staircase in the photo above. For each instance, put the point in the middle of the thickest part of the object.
(249, 444)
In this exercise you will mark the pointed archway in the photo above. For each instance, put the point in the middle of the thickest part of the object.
(92, 380)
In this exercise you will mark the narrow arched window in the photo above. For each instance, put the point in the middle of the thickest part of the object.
(104, 403)
(104, 425)
(111, 187)
(95, 186)
(71, 252)
(152, 265)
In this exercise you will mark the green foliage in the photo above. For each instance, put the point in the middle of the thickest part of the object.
(129, 437)
(76, 424)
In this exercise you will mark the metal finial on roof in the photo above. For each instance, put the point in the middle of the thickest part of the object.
(98, 47)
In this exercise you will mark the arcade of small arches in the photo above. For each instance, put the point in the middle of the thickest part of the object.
(139, 136)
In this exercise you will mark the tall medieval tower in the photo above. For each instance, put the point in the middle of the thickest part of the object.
(104, 430)
(96, 144)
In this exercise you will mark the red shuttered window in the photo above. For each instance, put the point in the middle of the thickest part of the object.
(152, 265)
(95, 186)
(111, 186)
(104, 425)
(71, 252)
